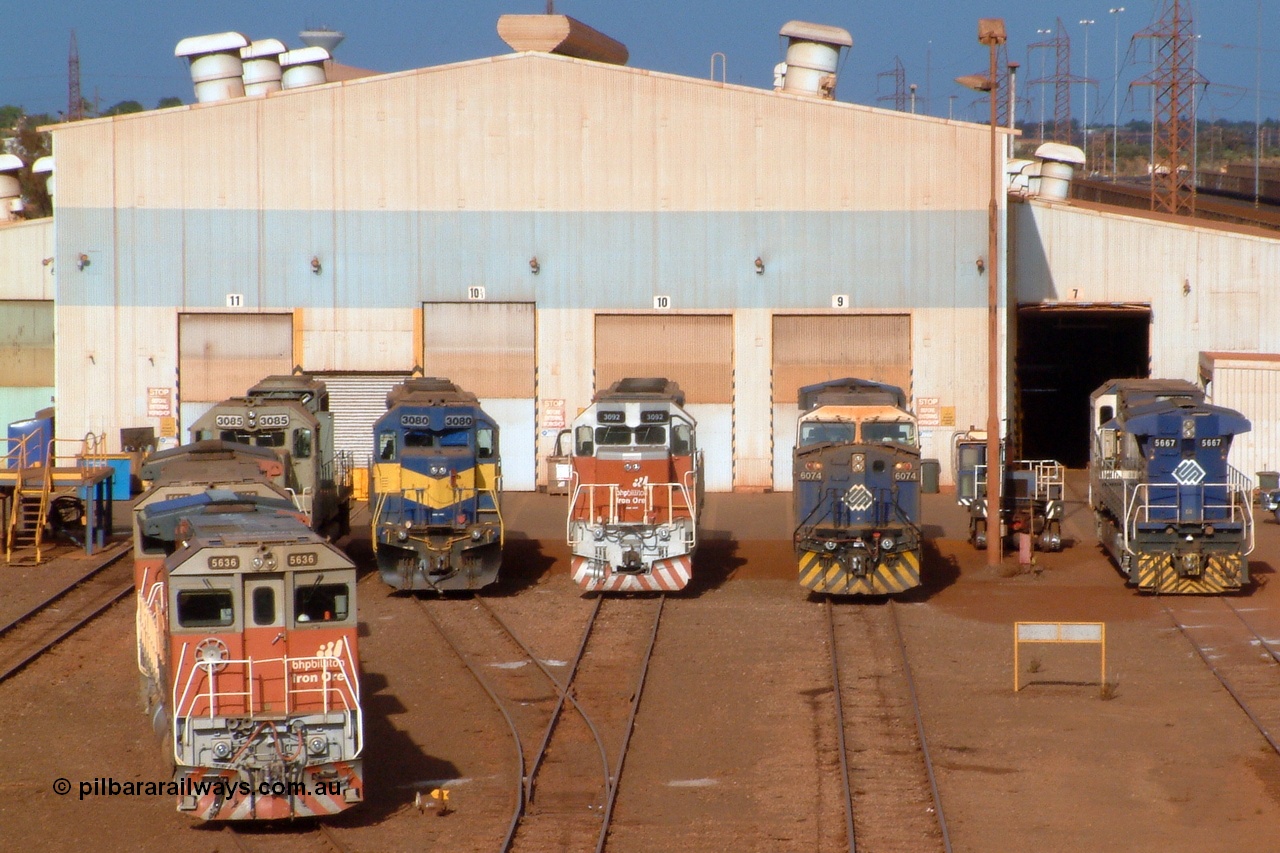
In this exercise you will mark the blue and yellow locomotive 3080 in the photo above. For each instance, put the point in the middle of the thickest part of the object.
(1171, 512)
(435, 489)
(857, 489)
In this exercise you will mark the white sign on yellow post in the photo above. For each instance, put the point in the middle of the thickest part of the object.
(1059, 632)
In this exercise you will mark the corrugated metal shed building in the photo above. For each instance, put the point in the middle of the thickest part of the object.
(532, 226)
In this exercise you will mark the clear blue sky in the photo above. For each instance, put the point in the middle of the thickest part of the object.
(126, 46)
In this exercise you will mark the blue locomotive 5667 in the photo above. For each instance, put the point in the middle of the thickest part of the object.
(856, 489)
(435, 489)
(1172, 513)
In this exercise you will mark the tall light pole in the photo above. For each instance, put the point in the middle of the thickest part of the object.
(1086, 23)
(1042, 82)
(1115, 92)
(991, 32)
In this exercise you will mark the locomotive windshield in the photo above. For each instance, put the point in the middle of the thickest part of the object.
(435, 438)
(586, 439)
(874, 432)
(816, 432)
(266, 438)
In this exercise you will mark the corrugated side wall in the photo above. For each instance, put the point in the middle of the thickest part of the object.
(26, 358)
(224, 355)
(1253, 389)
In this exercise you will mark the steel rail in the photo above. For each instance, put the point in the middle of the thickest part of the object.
(840, 736)
(636, 694)
(331, 839)
(111, 559)
(518, 811)
(563, 694)
(924, 742)
(1266, 646)
(112, 598)
(1204, 656)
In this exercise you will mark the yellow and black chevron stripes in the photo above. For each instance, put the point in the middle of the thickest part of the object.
(437, 492)
(822, 572)
(1158, 573)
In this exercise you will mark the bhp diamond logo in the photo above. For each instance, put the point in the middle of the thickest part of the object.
(1189, 473)
(857, 498)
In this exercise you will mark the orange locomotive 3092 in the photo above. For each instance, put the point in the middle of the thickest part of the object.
(247, 645)
(635, 489)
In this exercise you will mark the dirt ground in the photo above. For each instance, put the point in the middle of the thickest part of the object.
(730, 750)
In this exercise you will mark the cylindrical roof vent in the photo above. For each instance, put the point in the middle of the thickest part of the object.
(10, 189)
(44, 166)
(1058, 164)
(262, 66)
(303, 67)
(813, 58)
(216, 68)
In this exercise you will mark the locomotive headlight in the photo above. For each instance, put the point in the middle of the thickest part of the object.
(858, 463)
(886, 543)
(830, 546)
(318, 745)
(257, 562)
(664, 534)
(598, 533)
(813, 466)
(902, 466)
(476, 534)
(402, 535)
(1188, 427)
(222, 750)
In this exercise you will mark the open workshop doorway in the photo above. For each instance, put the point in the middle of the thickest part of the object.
(1064, 352)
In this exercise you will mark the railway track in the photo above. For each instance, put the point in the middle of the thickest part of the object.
(567, 781)
(1230, 640)
(890, 793)
(60, 615)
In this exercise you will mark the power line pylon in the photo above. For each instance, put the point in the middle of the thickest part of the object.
(899, 96)
(75, 104)
(1062, 81)
(1174, 79)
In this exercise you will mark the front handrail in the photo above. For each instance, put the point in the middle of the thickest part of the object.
(289, 666)
(1138, 507)
(612, 505)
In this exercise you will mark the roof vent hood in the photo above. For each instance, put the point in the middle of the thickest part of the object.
(10, 189)
(1058, 164)
(562, 35)
(262, 66)
(216, 68)
(303, 67)
(44, 166)
(813, 58)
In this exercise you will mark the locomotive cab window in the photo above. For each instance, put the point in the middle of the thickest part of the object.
(302, 444)
(584, 442)
(267, 438)
(613, 435)
(825, 433)
(435, 438)
(386, 445)
(681, 440)
(321, 602)
(651, 435)
(484, 443)
(205, 608)
(876, 432)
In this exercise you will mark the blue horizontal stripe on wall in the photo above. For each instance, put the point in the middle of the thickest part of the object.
(613, 261)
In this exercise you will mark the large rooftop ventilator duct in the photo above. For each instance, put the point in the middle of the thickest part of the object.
(44, 166)
(216, 68)
(262, 66)
(1058, 164)
(303, 67)
(813, 58)
(10, 189)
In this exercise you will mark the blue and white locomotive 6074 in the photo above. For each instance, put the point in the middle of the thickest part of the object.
(857, 489)
(435, 489)
(1172, 513)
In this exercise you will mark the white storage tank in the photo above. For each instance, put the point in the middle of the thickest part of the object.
(216, 68)
(1058, 163)
(262, 66)
(303, 67)
(813, 58)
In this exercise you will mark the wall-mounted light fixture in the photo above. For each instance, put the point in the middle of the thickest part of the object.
(82, 262)
(759, 266)
(315, 265)
(982, 266)
(44, 262)
(534, 266)
(1186, 287)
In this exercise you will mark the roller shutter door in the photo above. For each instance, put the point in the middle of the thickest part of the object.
(356, 401)
(26, 358)
(1249, 384)
(808, 349)
(487, 348)
(224, 355)
(695, 351)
